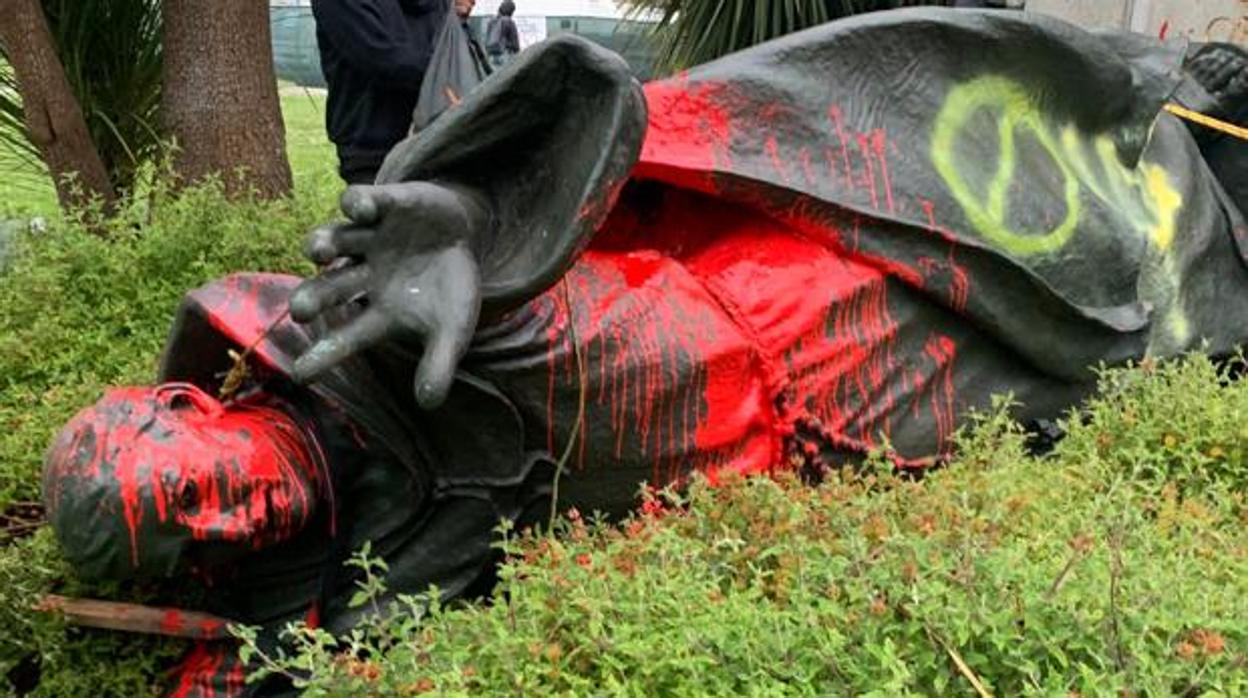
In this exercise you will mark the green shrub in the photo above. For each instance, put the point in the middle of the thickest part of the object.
(40, 656)
(1066, 575)
(1183, 423)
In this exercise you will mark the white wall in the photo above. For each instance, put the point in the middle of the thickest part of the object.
(1200, 20)
(1085, 13)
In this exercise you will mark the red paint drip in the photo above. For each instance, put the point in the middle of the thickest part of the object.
(807, 169)
(878, 140)
(942, 351)
(959, 280)
(838, 123)
(773, 152)
(209, 628)
(312, 618)
(206, 668)
(647, 350)
(868, 175)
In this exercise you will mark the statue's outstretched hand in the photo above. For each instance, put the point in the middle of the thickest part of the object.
(410, 250)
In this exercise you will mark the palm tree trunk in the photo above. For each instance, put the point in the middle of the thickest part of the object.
(52, 114)
(219, 100)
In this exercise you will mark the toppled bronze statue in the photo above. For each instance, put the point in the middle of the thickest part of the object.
(831, 243)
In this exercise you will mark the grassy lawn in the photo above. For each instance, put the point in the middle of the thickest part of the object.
(26, 190)
(312, 158)
(23, 187)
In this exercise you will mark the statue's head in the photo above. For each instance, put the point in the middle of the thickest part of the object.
(150, 481)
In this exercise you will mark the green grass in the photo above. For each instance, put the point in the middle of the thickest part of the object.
(26, 190)
(312, 158)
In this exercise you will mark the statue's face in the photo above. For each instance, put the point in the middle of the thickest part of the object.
(151, 480)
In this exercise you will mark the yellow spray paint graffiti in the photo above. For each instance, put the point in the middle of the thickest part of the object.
(1085, 165)
(988, 211)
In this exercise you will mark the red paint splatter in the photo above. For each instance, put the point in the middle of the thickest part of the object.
(177, 456)
(209, 670)
(171, 622)
(243, 306)
(715, 335)
(688, 134)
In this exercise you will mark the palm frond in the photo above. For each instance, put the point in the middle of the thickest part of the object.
(111, 53)
(13, 140)
(690, 32)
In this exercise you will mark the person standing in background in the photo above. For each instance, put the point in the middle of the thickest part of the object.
(502, 38)
(374, 54)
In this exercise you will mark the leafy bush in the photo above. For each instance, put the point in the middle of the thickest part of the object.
(40, 656)
(1084, 573)
(1182, 423)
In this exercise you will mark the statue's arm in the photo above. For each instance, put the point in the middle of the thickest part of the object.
(478, 213)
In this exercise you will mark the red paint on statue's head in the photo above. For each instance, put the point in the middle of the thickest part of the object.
(151, 479)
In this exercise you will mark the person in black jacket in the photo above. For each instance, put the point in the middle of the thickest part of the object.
(374, 54)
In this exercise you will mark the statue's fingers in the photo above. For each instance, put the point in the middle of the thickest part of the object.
(358, 204)
(329, 242)
(367, 204)
(330, 289)
(458, 289)
(359, 334)
(437, 367)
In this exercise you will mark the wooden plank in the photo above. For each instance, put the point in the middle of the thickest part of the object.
(136, 618)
